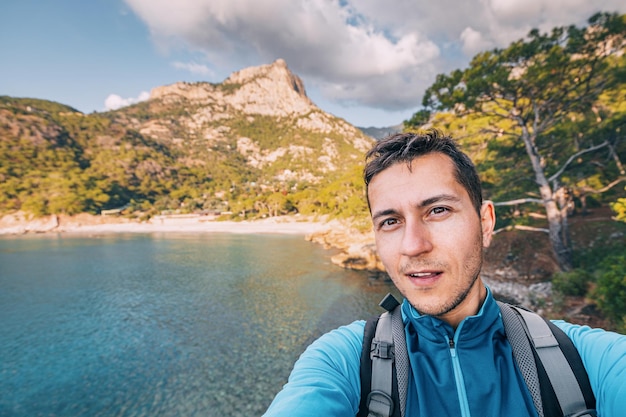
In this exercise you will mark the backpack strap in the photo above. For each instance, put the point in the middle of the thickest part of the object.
(523, 352)
(379, 401)
(541, 356)
(384, 364)
(366, 365)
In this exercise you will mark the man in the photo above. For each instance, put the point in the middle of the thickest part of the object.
(431, 225)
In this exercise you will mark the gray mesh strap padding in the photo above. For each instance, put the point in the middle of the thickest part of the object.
(522, 351)
(557, 367)
(402, 357)
(380, 403)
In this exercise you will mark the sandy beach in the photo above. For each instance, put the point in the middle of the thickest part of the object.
(200, 224)
(160, 224)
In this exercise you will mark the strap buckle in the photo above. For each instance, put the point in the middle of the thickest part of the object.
(382, 349)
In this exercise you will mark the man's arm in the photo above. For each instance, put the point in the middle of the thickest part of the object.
(325, 380)
(604, 356)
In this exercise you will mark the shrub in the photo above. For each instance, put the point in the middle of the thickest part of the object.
(610, 292)
(573, 283)
(619, 207)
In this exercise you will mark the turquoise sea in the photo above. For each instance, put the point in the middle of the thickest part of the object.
(164, 324)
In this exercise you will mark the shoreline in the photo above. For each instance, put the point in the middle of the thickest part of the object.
(202, 226)
(18, 225)
(354, 250)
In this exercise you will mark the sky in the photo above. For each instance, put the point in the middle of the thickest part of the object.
(367, 61)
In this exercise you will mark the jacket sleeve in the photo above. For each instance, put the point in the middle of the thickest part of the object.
(604, 356)
(325, 380)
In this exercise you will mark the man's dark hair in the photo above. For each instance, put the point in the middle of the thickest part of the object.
(405, 147)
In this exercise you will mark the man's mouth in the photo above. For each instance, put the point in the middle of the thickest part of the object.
(421, 275)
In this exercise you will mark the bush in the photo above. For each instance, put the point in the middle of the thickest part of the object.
(573, 283)
(610, 292)
(619, 207)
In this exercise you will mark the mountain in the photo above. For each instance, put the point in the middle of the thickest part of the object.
(253, 145)
(381, 132)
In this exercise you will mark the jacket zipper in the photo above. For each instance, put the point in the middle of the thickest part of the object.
(460, 382)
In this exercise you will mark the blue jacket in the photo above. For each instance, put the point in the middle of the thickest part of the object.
(470, 372)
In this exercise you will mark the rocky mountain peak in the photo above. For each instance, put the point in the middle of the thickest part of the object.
(270, 90)
(260, 114)
(276, 72)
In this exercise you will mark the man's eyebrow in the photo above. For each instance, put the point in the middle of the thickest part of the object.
(438, 199)
(383, 213)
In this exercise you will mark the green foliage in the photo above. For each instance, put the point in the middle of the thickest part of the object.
(34, 105)
(574, 282)
(229, 88)
(418, 119)
(610, 291)
(264, 130)
(343, 196)
(620, 209)
(547, 88)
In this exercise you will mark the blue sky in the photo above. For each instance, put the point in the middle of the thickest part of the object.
(367, 61)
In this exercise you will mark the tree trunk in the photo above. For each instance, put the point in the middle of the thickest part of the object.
(557, 222)
(557, 226)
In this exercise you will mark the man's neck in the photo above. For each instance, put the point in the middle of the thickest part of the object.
(470, 306)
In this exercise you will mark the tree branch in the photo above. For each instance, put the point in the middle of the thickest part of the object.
(576, 155)
(590, 190)
(521, 227)
(519, 201)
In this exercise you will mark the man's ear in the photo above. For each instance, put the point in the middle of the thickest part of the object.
(487, 221)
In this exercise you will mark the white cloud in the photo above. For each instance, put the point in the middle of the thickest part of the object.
(474, 42)
(193, 67)
(114, 101)
(365, 52)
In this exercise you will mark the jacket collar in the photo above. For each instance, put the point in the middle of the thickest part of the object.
(471, 327)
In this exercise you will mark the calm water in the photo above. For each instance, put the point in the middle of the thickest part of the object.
(163, 325)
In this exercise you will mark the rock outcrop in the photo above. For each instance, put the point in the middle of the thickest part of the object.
(270, 90)
(20, 223)
(356, 250)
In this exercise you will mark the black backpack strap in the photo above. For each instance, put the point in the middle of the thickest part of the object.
(366, 365)
(383, 339)
(563, 382)
(382, 353)
(578, 368)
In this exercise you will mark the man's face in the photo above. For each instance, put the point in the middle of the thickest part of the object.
(429, 236)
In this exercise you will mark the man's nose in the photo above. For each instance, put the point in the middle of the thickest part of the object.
(416, 239)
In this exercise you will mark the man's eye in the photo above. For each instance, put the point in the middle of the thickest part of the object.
(439, 210)
(388, 222)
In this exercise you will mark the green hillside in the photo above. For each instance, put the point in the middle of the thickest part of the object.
(155, 157)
